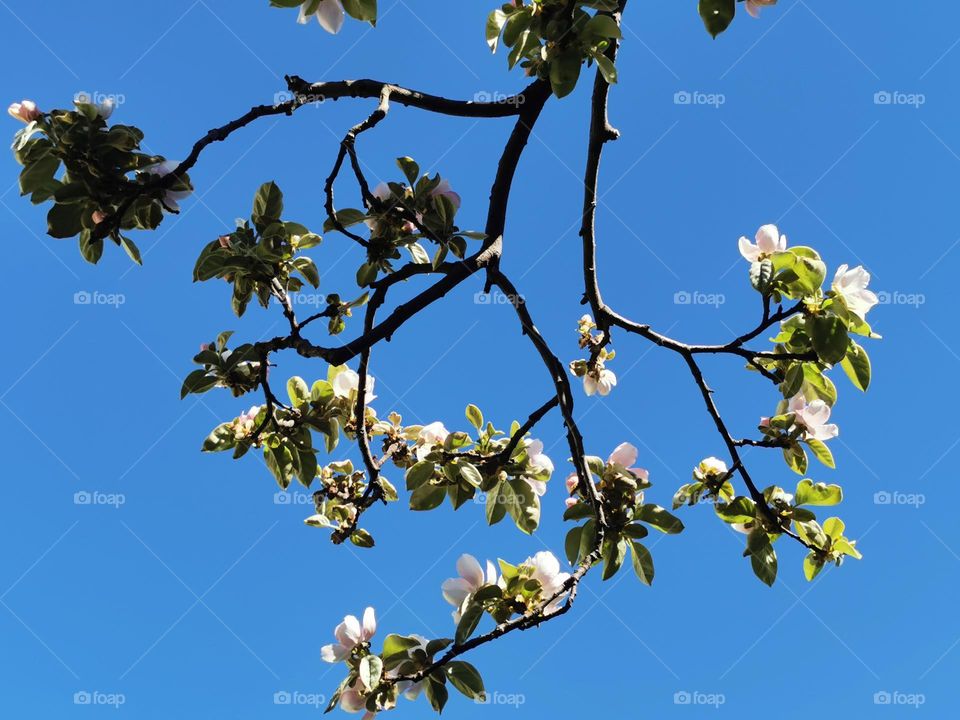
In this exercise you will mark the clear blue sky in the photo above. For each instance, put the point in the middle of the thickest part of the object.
(201, 598)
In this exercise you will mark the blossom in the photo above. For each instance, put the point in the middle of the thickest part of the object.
(171, 198)
(352, 700)
(246, 423)
(347, 382)
(600, 381)
(713, 466)
(625, 455)
(444, 189)
(411, 691)
(25, 111)
(472, 578)
(98, 216)
(813, 417)
(769, 240)
(349, 634)
(546, 569)
(329, 14)
(851, 285)
(753, 6)
(430, 436)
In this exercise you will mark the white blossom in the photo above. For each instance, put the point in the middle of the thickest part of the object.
(329, 13)
(471, 578)
(851, 284)
(769, 241)
(24, 111)
(350, 633)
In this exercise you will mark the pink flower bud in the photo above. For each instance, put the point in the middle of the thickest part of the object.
(98, 217)
(224, 241)
(25, 111)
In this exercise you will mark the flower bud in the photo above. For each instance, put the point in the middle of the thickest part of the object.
(25, 111)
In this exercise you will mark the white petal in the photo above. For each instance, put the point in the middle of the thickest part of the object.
(470, 570)
(455, 591)
(624, 454)
(348, 632)
(330, 15)
(768, 239)
(369, 623)
(749, 251)
(333, 653)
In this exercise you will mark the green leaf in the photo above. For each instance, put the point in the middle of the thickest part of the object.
(436, 692)
(739, 510)
(522, 504)
(717, 15)
(571, 544)
(642, 562)
(614, 552)
(427, 497)
(603, 26)
(475, 416)
(363, 10)
(830, 338)
(470, 473)
(856, 364)
(267, 205)
(197, 382)
(761, 275)
(410, 169)
(419, 474)
(63, 221)
(817, 494)
(660, 518)
(812, 565)
(361, 538)
(465, 678)
(606, 67)
(796, 458)
(469, 619)
(822, 453)
(371, 670)
(763, 557)
(396, 649)
(495, 22)
(298, 391)
(564, 72)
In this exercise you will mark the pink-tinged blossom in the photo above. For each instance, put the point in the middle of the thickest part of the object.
(769, 241)
(350, 633)
(444, 189)
(24, 111)
(347, 383)
(625, 455)
(429, 437)
(171, 198)
(546, 569)
(471, 578)
(813, 417)
(600, 381)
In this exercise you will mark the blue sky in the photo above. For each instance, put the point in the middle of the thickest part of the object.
(200, 596)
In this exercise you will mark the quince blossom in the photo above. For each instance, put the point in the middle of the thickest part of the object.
(546, 569)
(171, 198)
(457, 590)
(446, 191)
(813, 417)
(429, 437)
(25, 111)
(851, 285)
(347, 382)
(329, 13)
(769, 241)
(600, 381)
(349, 634)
